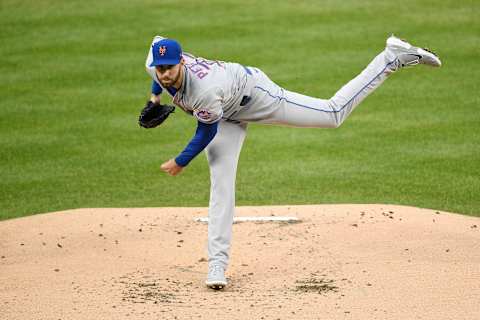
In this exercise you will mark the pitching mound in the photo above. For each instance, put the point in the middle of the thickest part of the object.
(339, 262)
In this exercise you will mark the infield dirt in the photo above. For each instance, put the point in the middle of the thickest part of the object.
(339, 262)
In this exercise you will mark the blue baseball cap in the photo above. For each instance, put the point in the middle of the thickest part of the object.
(166, 51)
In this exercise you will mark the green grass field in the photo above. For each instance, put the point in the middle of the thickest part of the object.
(72, 83)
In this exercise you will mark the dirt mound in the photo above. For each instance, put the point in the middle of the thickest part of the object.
(339, 262)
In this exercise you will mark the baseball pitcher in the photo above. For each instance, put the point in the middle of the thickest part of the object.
(224, 97)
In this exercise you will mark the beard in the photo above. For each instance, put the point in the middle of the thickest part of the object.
(170, 82)
(166, 83)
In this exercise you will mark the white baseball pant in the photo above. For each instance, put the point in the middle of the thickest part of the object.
(271, 104)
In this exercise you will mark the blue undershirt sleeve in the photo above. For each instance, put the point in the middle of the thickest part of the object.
(156, 89)
(204, 134)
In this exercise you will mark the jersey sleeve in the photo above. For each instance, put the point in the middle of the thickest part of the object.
(208, 109)
(203, 136)
(156, 88)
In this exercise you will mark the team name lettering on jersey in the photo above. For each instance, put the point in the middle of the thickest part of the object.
(197, 70)
(200, 67)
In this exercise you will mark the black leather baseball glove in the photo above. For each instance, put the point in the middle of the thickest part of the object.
(153, 114)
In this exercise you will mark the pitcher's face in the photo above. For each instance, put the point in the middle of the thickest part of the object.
(169, 74)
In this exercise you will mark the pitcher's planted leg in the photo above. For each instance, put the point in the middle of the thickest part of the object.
(222, 154)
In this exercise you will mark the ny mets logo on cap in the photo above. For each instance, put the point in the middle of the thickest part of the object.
(162, 50)
(166, 52)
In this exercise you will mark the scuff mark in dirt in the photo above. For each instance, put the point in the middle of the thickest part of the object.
(315, 284)
(139, 288)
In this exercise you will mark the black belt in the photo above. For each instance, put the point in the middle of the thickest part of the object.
(246, 99)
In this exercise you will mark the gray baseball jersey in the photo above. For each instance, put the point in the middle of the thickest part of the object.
(211, 89)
